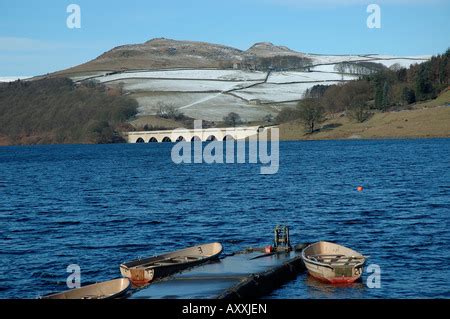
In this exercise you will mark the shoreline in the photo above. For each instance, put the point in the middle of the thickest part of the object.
(281, 140)
(398, 138)
(418, 123)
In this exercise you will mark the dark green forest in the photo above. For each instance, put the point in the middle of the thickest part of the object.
(56, 110)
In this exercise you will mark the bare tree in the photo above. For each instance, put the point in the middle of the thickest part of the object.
(168, 111)
(287, 114)
(358, 109)
(268, 118)
(232, 119)
(341, 67)
(311, 114)
(395, 67)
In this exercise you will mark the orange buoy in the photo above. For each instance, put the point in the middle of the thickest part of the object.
(268, 249)
(360, 188)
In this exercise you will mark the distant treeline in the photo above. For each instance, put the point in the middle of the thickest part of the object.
(359, 68)
(276, 63)
(56, 110)
(385, 89)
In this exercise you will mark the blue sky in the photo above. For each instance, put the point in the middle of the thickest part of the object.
(34, 38)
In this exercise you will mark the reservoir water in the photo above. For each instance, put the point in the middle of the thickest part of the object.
(100, 205)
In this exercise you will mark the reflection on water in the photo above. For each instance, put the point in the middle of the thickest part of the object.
(318, 289)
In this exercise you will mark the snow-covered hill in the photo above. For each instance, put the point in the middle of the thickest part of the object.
(207, 81)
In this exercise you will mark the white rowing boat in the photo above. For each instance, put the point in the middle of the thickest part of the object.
(333, 263)
(143, 271)
(103, 290)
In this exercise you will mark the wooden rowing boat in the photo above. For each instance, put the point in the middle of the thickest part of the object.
(143, 271)
(332, 263)
(104, 290)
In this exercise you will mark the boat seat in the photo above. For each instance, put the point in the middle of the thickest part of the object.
(164, 263)
(187, 258)
(337, 260)
(327, 258)
(170, 261)
(343, 264)
(327, 255)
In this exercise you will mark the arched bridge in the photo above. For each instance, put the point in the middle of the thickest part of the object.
(190, 135)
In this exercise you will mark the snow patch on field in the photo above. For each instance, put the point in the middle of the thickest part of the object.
(286, 77)
(203, 100)
(140, 85)
(330, 59)
(278, 93)
(327, 63)
(149, 103)
(329, 68)
(405, 63)
(386, 60)
(410, 57)
(334, 59)
(93, 76)
(219, 75)
(211, 107)
(216, 113)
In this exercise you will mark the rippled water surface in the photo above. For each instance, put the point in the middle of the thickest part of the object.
(100, 205)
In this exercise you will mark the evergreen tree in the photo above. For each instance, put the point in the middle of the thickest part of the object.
(385, 103)
(402, 75)
(424, 86)
(408, 95)
(378, 93)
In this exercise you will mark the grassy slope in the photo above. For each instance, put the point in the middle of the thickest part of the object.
(427, 119)
(442, 100)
